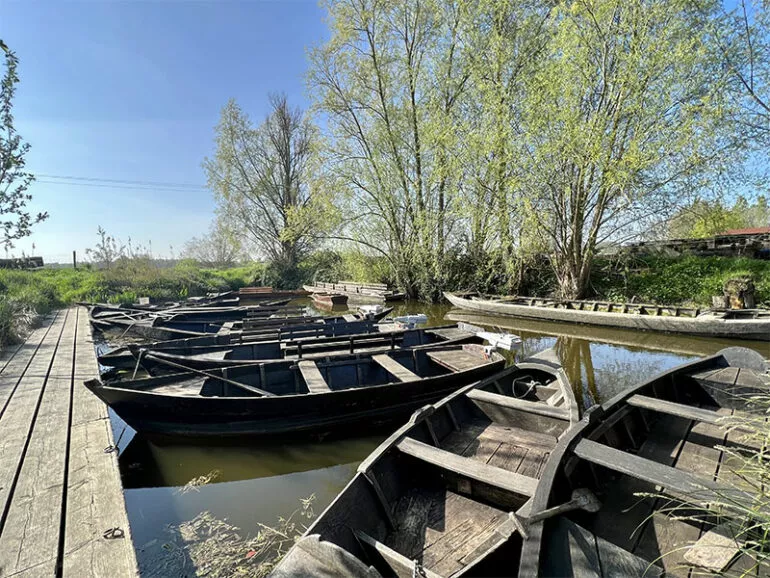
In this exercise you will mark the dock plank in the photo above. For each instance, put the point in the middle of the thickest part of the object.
(34, 514)
(18, 417)
(16, 365)
(95, 500)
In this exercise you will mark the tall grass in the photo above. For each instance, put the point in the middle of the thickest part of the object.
(25, 294)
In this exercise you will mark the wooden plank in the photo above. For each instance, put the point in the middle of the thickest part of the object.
(470, 468)
(30, 536)
(535, 407)
(668, 537)
(402, 566)
(313, 379)
(19, 415)
(456, 359)
(715, 549)
(394, 368)
(682, 483)
(94, 493)
(675, 409)
(15, 367)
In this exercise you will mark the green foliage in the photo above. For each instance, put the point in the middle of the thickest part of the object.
(15, 221)
(25, 293)
(703, 218)
(680, 280)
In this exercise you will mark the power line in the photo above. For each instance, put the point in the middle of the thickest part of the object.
(121, 181)
(136, 187)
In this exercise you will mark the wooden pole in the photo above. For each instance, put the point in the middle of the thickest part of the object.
(74, 260)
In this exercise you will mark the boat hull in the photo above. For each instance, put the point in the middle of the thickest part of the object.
(221, 417)
(755, 329)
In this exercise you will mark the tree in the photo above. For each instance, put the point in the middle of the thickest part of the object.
(261, 178)
(622, 119)
(706, 218)
(15, 221)
(220, 247)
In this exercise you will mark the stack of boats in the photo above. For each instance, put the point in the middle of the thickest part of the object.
(216, 372)
(499, 471)
(366, 292)
(501, 478)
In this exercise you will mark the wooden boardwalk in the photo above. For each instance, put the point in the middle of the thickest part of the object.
(60, 492)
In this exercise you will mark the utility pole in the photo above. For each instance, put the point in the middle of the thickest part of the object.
(74, 260)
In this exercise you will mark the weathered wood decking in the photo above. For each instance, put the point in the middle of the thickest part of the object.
(60, 491)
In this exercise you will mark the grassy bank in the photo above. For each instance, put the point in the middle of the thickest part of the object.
(678, 281)
(23, 294)
(685, 280)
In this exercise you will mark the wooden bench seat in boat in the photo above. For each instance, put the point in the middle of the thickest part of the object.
(470, 468)
(689, 486)
(393, 367)
(675, 409)
(455, 360)
(313, 378)
(515, 403)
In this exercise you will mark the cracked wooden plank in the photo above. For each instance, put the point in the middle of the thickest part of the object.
(16, 423)
(30, 535)
(95, 500)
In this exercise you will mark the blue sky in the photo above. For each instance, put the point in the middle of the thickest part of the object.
(131, 91)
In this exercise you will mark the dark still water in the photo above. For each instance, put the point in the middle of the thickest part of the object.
(258, 483)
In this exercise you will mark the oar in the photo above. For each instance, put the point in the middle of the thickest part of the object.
(175, 365)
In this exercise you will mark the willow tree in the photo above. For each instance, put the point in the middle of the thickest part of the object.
(389, 81)
(623, 116)
(262, 181)
(504, 45)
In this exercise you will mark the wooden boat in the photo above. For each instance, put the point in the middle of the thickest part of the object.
(256, 330)
(296, 397)
(437, 497)
(252, 295)
(735, 323)
(188, 352)
(330, 299)
(357, 291)
(652, 451)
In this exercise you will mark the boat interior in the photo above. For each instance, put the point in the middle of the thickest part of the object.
(319, 375)
(658, 462)
(437, 498)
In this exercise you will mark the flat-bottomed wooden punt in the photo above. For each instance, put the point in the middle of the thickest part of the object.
(210, 356)
(655, 459)
(291, 397)
(738, 324)
(372, 292)
(262, 329)
(329, 299)
(438, 497)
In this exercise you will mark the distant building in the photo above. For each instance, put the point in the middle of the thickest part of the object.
(750, 231)
(21, 263)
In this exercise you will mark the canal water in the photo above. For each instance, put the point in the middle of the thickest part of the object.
(253, 483)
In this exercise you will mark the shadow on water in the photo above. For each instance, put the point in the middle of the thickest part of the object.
(258, 483)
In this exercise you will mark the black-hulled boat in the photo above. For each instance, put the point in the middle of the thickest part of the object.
(662, 461)
(187, 352)
(354, 392)
(438, 497)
